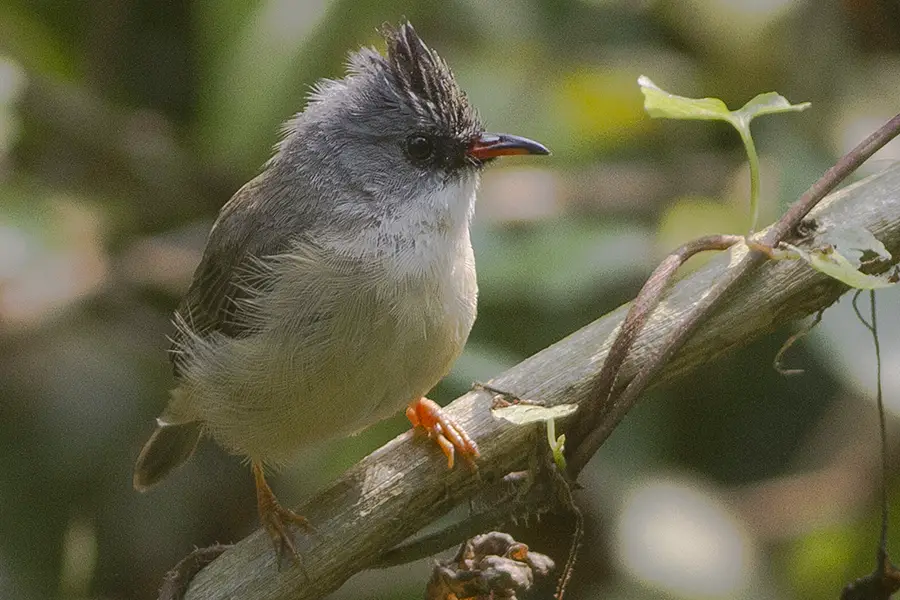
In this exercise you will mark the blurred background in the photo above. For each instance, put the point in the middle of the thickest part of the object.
(126, 124)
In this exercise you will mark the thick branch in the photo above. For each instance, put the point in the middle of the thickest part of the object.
(404, 485)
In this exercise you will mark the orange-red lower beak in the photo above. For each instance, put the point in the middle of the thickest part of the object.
(492, 145)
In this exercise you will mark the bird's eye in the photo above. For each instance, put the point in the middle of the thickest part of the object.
(419, 147)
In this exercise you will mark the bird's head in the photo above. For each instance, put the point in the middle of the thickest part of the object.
(397, 127)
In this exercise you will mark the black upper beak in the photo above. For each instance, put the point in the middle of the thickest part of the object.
(491, 145)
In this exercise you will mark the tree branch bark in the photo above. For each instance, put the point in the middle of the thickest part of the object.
(404, 485)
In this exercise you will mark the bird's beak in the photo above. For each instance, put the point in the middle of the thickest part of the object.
(492, 145)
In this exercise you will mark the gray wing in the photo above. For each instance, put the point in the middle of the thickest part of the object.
(242, 234)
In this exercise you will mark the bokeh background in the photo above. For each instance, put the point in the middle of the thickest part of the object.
(126, 124)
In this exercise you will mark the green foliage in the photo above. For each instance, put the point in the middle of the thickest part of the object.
(663, 105)
(840, 255)
(523, 414)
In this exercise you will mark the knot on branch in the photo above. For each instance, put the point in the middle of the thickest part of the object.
(491, 565)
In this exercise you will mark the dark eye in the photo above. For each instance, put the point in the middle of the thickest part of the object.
(419, 147)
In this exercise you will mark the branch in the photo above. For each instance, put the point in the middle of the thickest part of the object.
(404, 485)
(595, 421)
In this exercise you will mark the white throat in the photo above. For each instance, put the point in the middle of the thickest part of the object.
(425, 236)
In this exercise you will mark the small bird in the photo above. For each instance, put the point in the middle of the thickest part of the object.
(338, 286)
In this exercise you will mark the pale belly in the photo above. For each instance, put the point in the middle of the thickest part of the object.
(376, 349)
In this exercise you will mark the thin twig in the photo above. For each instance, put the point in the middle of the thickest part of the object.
(872, 326)
(789, 343)
(612, 410)
(568, 501)
(589, 414)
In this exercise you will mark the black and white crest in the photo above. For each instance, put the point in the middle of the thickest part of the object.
(408, 92)
(427, 81)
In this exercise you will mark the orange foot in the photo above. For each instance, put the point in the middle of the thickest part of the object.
(441, 428)
(279, 522)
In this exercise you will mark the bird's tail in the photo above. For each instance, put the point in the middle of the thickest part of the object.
(170, 445)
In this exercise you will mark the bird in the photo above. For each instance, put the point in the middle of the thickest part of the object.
(338, 286)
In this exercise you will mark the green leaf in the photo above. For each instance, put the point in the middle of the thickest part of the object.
(664, 105)
(557, 445)
(834, 264)
(522, 414)
(840, 253)
(768, 103)
(661, 104)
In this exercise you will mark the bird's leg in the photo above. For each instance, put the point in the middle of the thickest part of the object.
(277, 520)
(448, 434)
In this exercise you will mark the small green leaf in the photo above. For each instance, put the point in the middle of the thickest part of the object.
(768, 103)
(522, 413)
(557, 445)
(559, 453)
(834, 264)
(660, 104)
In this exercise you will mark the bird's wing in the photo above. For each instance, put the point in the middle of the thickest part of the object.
(238, 240)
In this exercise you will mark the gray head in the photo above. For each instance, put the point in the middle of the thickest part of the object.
(396, 128)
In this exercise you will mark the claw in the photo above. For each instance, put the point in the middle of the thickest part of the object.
(278, 521)
(448, 434)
